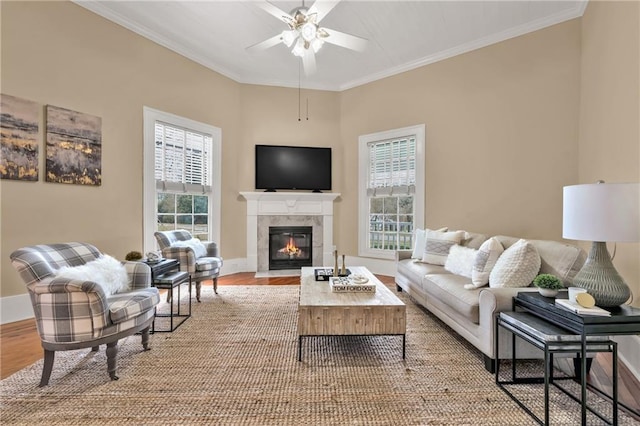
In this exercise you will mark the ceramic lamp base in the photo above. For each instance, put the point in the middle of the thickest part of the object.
(600, 278)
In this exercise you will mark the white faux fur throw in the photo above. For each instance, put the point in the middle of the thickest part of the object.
(105, 271)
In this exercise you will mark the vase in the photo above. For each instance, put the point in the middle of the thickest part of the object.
(547, 292)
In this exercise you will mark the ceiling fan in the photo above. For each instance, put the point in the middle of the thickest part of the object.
(305, 33)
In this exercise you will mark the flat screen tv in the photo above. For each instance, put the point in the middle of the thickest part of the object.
(293, 167)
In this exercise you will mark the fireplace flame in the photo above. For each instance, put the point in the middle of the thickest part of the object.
(291, 249)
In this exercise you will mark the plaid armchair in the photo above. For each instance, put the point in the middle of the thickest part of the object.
(200, 268)
(73, 314)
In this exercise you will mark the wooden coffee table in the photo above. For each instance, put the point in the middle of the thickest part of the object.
(324, 313)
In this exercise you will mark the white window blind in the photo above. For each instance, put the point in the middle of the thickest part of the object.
(392, 167)
(182, 159)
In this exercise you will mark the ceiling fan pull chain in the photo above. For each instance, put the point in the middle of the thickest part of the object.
(298, 91)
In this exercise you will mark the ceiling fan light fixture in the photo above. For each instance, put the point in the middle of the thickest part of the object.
(298, 49)
(316, 44)
(308, 31)
(288, 37)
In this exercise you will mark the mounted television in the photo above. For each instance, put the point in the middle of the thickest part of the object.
(293, 167)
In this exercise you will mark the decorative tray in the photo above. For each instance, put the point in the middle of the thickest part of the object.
(323, 274)
(351, 284)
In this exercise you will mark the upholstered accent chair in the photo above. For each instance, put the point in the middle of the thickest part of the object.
(75, 314)
(201, 264)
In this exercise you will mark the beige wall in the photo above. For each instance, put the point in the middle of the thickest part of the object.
(61, 54)
(501, 133)
(502, 126)
(610, 109)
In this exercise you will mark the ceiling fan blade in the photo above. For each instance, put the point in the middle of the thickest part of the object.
(322, 8)
(275, 11)
(345, 40)
(264, 45)
(309, 62)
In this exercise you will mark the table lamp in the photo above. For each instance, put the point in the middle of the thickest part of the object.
(602, 212)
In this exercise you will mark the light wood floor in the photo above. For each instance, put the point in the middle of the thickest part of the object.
(20, 346)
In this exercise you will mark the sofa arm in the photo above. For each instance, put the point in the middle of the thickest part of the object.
(492, 301)
(185, 255)
(403, 254)
(139, 273)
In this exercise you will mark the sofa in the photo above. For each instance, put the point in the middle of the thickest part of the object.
(470, 310)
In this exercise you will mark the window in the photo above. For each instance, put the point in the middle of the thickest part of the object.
(391, 190)
(182, 176)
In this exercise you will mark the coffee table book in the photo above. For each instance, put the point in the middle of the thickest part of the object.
(581, 310)
(347, 285)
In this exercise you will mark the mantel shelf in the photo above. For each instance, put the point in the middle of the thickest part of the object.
(295, 196)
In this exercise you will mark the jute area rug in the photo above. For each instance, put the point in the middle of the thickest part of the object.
(235, 362)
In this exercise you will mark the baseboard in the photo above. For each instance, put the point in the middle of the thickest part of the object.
(233, 266)
(629, 353)
(377, 266)
(15, 308)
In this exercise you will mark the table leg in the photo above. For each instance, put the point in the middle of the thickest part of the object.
(299, 348)
(583, 377)
(404, 345)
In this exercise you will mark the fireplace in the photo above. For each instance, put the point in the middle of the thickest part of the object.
(267, 209)
(290, 247)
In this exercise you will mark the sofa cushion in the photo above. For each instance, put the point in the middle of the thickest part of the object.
(415, 270)
(473, 240)
(123, 307)
(485, 260)
(208, 263)
(556, 258)
(438, 244)
(449, 289)
(460, 260)
(516, 267)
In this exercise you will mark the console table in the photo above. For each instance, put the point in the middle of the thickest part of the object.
(165, 275)
(624, 320)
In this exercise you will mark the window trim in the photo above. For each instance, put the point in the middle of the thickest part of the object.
(363, 173)
(150, 116)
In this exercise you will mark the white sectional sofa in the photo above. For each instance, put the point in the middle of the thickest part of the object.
(470, 312)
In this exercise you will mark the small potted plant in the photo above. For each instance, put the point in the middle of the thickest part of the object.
(548, 284)
(133, 256)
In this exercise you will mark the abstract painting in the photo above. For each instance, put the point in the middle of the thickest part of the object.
(74, 147)
(19, 127)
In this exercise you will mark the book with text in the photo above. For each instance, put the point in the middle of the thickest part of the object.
(581, 310)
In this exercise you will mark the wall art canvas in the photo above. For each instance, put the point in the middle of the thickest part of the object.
(74, 147)
(19, 144)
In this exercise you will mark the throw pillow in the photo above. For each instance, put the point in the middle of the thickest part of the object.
(419, 240)
(516, 267)
(438, 244)
(460, 260)
(198, 248)
(485, 260)
(105, 271)
(418, 243)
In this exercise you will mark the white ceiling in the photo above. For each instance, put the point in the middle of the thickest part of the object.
(402, 35)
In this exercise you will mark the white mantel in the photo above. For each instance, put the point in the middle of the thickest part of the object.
(289, 204)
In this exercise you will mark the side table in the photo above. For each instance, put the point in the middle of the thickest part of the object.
(624, 320)
(165, 275)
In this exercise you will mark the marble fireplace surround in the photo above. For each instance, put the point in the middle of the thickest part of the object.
(266, 209)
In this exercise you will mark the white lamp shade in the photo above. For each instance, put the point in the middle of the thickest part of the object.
(602, 212)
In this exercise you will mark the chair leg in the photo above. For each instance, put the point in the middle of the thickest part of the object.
(112, 352)
(198, 284)
(47, 368)
(145, 338)
(215, 285)
(95, 348)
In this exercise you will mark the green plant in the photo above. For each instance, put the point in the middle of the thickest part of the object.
(548, 281)
(133, 255)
